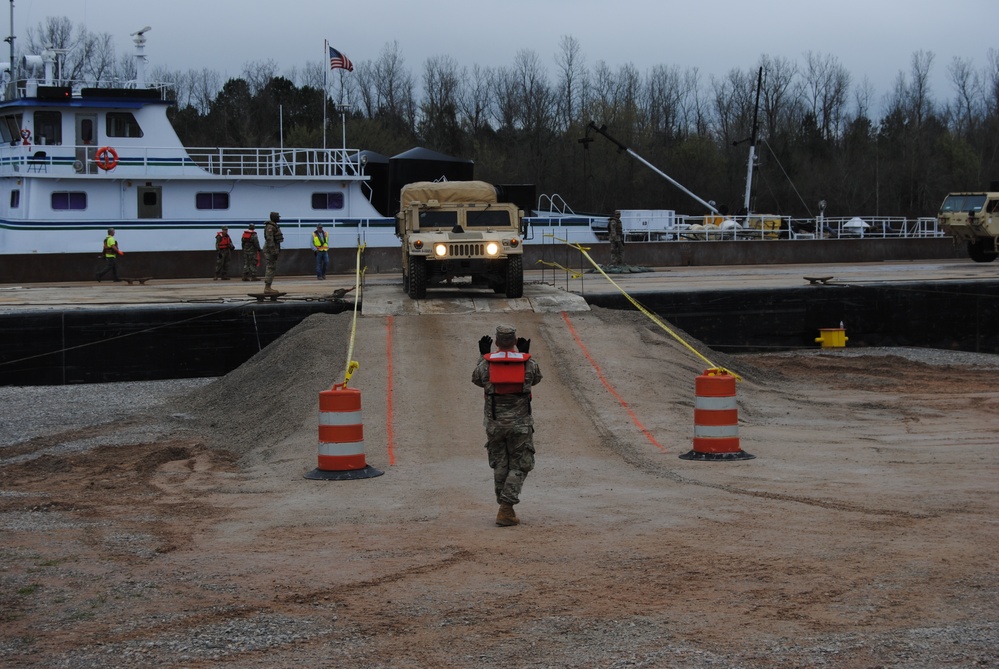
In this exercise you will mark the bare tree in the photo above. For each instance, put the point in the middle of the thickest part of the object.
(475, 100)
(571, 81)
(663, 101)
(393, 85)
(780, 97)
(826, 84)
(438, 125)
(257, 74)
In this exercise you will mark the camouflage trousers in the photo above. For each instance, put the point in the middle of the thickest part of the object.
(250, 264)
(271, 270)
(511, 456)
(221, 264)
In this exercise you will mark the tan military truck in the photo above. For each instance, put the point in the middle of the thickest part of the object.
(453, 229)
(973, 218)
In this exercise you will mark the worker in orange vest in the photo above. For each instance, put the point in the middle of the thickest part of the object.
(223, 250)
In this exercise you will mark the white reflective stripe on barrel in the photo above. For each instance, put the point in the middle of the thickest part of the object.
(349, 448)
(715, 403)
(340, 418)
(716, 430)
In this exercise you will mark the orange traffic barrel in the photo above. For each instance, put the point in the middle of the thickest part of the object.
(716, 419)
(341, 437)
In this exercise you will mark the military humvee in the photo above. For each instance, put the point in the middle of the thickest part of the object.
(454, 229)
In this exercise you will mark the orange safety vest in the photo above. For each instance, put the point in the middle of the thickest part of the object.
(507, 371)
(224, 241)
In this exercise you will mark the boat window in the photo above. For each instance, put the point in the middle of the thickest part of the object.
(10, 128)
(487, 218)
(63, 200)
(15, 199)
(123, 124)
(327, 200)
(211, 200)
(438, 219)
(48, 127)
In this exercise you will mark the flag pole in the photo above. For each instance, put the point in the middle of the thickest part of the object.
(326, 69)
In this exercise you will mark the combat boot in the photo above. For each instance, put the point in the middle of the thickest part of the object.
(268, 289)
(506, 516)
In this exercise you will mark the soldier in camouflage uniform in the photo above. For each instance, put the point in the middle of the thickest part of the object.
(272, 247)
(508, 420)
(616, 237)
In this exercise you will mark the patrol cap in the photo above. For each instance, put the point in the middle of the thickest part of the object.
(275, 216)
(225, 227)
(252, 225)
(505, 330)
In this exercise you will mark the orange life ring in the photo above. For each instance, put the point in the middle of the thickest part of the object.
(26, 135)
(107, 158)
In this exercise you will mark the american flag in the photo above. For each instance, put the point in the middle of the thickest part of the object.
(338, 60)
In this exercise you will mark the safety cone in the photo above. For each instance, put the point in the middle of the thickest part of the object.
(716, 419)
(341, 437)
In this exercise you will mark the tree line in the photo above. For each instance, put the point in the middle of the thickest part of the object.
(822, 136)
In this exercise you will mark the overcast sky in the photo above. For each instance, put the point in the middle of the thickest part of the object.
(872, 39)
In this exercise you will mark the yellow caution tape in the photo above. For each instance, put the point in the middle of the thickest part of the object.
(655, 319)
(352, 365)
(573, 274)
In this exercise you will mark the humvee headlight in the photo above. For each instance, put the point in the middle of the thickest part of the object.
(492, 248)
(440, 250)
(417, 244)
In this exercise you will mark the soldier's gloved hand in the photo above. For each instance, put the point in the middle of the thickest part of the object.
(485, 344)
(523, 345)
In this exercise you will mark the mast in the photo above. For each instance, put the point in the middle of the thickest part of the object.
(10, 40)
(752, 144)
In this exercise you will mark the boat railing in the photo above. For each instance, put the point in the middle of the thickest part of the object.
(59, 161)
(243, 162)
(758, 227)
(28, 88)
(554, 204)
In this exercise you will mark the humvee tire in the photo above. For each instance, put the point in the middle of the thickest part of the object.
(515, 276)
(417, 288)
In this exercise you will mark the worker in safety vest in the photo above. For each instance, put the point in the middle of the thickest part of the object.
(507, 377)
(320, 247)
(110, 254)
(223, 251)
(251, 254)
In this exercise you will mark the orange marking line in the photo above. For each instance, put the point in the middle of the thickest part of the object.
(388, 400)
(610, 388)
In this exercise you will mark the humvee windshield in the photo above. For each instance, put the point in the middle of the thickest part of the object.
(495, 218)
(963, 203)
(438, 219)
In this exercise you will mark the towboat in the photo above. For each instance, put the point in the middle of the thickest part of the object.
(77, 159)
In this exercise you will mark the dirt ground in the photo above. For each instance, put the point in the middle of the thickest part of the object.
(864, 533)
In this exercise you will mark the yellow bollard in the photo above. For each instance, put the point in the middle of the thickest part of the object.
(832, 337)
